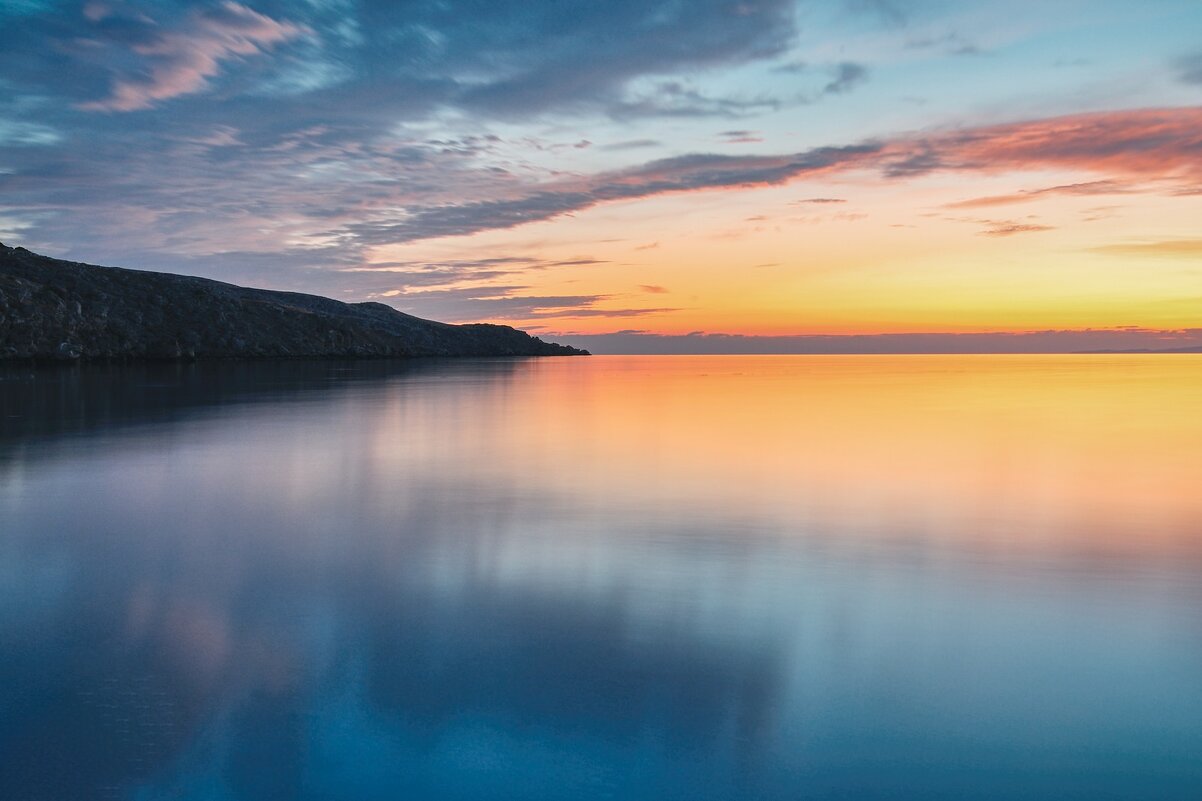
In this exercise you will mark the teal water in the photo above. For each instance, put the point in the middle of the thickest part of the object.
(620, 578)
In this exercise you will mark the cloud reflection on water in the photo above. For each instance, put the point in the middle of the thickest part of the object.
(702, 578)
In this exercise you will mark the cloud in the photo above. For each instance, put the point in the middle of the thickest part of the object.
(679, 174)
(510, 303)
(181, 62)
(1189, 68)
(676, 99)
(580, 52)
(370, 63)
(1085, 188)
(1143, 144)
(795, 67)
(847, 76)
(1010, 228)
(653, 289)
(740, 137)
(315, 189)
(631, 144)
(17, 132)
(1138, 143)
(952, 43)
(278, 142)
(18, 8)
(886, 11)
(1175, 248)
(470, 266)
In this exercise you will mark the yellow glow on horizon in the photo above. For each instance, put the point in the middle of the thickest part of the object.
(891, 257)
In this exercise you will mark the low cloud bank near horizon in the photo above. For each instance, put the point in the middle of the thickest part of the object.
(1094, 340)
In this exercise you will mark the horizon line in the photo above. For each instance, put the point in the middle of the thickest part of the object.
(1051, 342)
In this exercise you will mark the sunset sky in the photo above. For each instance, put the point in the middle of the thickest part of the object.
(634, 174)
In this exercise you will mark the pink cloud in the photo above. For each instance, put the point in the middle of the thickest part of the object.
(1138, 143)
(1080, 189)
(183, 61)
(1120, 146)
(1010, 228)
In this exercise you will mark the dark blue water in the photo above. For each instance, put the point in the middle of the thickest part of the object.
(657, 578)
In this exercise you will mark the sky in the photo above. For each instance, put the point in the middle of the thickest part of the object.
(634, 175)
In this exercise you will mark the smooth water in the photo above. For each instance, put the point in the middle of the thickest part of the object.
(906, 577)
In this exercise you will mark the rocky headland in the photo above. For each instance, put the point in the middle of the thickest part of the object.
(55, 310)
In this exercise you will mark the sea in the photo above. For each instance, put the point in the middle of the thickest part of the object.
(609, 577)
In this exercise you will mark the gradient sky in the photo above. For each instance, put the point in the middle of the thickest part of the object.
(769, 171)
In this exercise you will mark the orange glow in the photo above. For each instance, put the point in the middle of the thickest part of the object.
(970, 448)
(892, 257)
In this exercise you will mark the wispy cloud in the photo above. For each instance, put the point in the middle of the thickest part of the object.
(1010, 228)
(631, 144)
(847, 76)
(1085, 188)
(181, 62)
(740, 137)
(1176, 248)
(514, 303)
(18, 132)
(952, 43)
(1143, 144)
(1189, 68)
(680, 174)
(1137, 143)
(889, 12)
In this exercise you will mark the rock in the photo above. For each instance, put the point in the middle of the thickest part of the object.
(59, 310)
(68, 350)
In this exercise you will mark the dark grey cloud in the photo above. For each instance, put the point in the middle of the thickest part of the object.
(740, 137)
(632, 144)
(373, 62)
(846, 76)
(512, 58)
(924, 158)
(792, 67)
(841, 78)
(1189, 68)
(573, 52)
(679, 174)
(675, 99)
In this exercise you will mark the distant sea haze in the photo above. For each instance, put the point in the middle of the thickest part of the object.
(1138, 340)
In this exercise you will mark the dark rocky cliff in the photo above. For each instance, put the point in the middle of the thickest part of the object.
(60, 310)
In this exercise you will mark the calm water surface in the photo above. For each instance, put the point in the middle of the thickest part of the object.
(902, 577)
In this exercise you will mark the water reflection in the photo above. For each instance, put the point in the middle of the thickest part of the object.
(691, 578)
